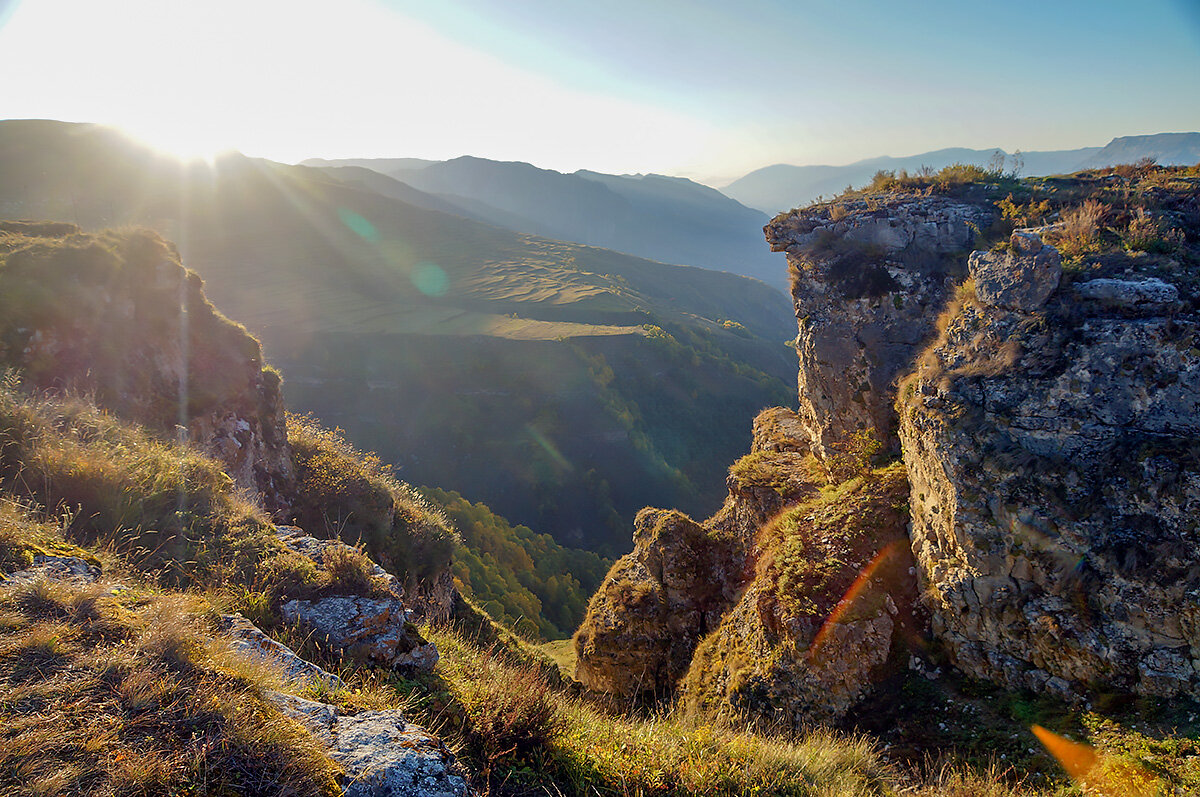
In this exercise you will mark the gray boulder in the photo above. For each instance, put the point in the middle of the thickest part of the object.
(1022, 279)
(376, 629)
(1147, 294)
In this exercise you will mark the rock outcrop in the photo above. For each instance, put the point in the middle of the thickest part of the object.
(116, 316)
(830, 604)
(376, 627)
(1055, 467)
(380, 752)
(782, 609)
(655, 605)
(868, 279)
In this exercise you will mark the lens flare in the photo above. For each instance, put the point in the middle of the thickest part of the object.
(430, 279)
(358, 225)
(1076, 758)
(888, 554)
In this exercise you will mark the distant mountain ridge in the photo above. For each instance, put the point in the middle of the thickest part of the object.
(783, 186)
(564, 385)
(669, 219)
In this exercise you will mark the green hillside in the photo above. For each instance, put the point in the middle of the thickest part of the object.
(563, 385)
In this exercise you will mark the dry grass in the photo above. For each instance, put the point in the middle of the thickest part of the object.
(128, 693)
(569, 746)
(343, 492)
(165, 507)
(1080, 229)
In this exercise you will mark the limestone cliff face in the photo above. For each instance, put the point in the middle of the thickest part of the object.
(1054, 456)
(868, 279)
(116, 315)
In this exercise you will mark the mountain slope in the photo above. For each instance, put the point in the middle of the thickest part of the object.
(546, 379)
(663, 218)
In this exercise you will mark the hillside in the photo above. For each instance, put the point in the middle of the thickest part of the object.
(783, 186)
(542, 378)
(662, 218)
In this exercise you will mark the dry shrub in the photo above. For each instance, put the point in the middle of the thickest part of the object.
(1079, 232)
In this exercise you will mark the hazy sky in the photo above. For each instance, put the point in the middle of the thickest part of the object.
(704, 88)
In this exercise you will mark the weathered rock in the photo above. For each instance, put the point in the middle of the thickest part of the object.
(1021, 279)
(55, 568)
(376, 629)
(247, 638)
(1056, 491)
(382, 754)
(125, 322)
(655, 604)
(1150, 294)
(386, 756)
(817, 627)
(867, 287)
(777, 473)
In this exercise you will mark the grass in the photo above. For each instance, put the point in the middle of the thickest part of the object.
(129, 693)
(343, 492)
(568, 746)
(166, 507)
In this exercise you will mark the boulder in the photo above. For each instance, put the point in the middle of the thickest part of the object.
(375, 629)
(55, 568)
(1020, 279)
(1151, 294)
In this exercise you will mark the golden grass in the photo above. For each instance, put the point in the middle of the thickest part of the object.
(128, 693)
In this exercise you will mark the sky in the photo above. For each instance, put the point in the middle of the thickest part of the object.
(703, 88)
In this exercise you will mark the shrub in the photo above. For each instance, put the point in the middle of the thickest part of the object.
(1147, 233)
(1080, 230)
(852, 456)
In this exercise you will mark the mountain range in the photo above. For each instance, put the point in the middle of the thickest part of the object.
(670, 219)
(548, 379)
(780, 187)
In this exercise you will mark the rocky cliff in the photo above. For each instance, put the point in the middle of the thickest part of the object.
(1052, 443)
(117, 317)
(869, 276)
(781, 609)
(1045, 393)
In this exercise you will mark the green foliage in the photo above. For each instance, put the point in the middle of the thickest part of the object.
(343, 492)
(524, 579)
(852, 456)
